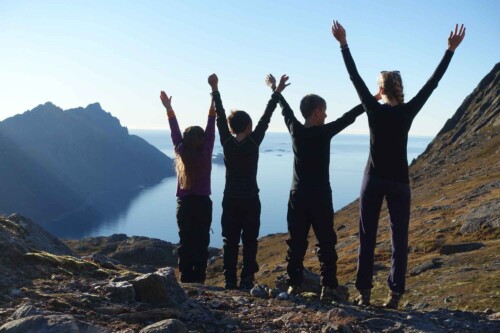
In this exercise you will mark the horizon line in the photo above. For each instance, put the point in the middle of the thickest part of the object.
(275, 131)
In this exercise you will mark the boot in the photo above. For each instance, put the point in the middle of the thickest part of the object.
(339, 294)
(392, 301)
(363, 298)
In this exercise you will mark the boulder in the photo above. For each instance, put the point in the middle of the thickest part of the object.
(433, 263)
(485, 215)
(122, 292)
(458, 248)
(50, 324)
(158, 288)
(166, 326)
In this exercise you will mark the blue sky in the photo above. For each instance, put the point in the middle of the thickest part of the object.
(122, 53)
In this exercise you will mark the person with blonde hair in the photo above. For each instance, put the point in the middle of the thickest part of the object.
(386, 173)
(193, 164)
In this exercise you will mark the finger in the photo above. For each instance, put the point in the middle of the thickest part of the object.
(461, 29)
(451, 33)
(456, 28)
(463, 35)
(286, 85)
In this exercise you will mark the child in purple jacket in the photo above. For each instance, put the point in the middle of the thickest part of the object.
(193, 164)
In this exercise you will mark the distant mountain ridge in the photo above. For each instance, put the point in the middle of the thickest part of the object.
(53, 160)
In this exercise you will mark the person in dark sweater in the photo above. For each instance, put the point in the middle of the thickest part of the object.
(193, 164)
(241, 204)
(310, 201)
(386, 173)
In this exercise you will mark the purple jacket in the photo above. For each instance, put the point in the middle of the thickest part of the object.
(202, 185)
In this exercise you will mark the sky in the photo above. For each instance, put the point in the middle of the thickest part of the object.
(122, 53)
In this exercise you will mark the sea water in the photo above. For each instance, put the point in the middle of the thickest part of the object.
(151, 211)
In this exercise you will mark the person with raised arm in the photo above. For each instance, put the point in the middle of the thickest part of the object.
(193, 164)
(386, 173)
(241, 205)
(310, 200)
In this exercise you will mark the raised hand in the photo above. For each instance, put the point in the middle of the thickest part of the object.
(456, 38)
(271, 81)
(213, 81)
(282, 85)
(166, 101)
(338, 32)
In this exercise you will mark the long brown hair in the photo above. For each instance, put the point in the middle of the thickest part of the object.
(187, 160)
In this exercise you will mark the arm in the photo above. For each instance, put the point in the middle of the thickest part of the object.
(417, 102)
(336, 126)
(287, 112)
(224, 132)
(367, 99)
(210, 129)
(260, 129)
(175, 131)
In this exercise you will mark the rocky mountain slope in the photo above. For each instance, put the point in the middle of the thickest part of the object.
(455, 201)
(44, 288)
(52, 161)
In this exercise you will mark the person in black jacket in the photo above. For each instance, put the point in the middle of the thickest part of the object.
(386, 173)
(310, 201)
(241, 204)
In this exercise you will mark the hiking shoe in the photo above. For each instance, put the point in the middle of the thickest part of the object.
(247, 283)
(363, 298)
(294, 290)
(339, 294)
(392, 300)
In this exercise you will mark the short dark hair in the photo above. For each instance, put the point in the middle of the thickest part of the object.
(238, 121)
(310, 103)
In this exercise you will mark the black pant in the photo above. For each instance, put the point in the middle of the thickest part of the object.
(194, 217)
(307, 209)
(240, 218)
(398, 199)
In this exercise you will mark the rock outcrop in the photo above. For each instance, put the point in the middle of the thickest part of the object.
(50, 293)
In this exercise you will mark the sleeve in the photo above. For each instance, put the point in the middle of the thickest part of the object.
(417, 102)
(290, 120)
(347, 119)
(367, 100)
(224, 132)
(262, 126)
(175, 131)
(210, 133)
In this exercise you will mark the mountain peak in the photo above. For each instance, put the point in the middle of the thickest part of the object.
(94, 107)
(48, 106)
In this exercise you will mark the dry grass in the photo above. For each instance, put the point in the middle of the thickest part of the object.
(469, 281)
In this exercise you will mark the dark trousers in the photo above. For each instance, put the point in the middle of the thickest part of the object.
(194, 217)
(316, 210)
(398, 199)
(240, 219)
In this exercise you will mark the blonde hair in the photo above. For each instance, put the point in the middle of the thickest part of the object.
(186, 161)
(392, 84)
